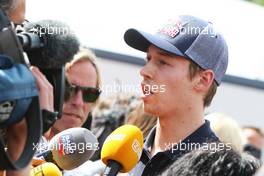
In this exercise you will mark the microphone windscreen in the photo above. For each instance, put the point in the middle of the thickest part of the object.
(124, 145)
(60, 43)
(72, 147)
(46, 169)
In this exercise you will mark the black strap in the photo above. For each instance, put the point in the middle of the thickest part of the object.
(23, 160)
(48, 119)
(30, 147)
(56, 76)
(4, 21)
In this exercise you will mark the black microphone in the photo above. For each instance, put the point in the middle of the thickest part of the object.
(50, 44)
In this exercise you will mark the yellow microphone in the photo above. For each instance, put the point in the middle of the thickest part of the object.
(46, 169)
(122, 149)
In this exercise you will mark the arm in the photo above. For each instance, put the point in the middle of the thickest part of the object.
(17, 132)
(16, 135)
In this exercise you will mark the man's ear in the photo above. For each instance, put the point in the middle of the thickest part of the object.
(204, 80)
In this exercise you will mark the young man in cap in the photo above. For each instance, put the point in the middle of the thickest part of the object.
(186, 61)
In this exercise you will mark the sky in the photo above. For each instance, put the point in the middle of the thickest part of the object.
(101, 24)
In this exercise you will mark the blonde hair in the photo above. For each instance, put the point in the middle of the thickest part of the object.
(227, 130)
(83, 55)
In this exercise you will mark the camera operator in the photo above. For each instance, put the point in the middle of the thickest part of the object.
(16, 133)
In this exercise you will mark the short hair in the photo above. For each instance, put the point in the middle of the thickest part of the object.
(256, 129)
(219, 162)
(193, 70)
(227, 130)
(83, 55)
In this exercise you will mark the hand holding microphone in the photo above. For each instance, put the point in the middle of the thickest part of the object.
(122, 149)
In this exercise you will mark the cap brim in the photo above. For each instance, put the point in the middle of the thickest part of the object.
(141, 41)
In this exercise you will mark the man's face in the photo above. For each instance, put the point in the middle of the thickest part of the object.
(75, 110)
(17, 15)
(253, 137)
(168, 75)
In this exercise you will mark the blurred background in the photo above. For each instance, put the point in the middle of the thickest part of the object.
(101, 24)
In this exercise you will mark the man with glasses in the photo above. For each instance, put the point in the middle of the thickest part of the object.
(82, 89)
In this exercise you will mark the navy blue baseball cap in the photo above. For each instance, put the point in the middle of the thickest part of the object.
(18, 100)
(189, 37)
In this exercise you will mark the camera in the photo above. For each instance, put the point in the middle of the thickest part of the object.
(19, 50)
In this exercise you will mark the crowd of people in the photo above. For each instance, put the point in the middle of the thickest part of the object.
(179, 80)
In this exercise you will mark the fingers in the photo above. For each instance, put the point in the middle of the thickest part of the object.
(36, 162)
(2, 173)
(45, 90)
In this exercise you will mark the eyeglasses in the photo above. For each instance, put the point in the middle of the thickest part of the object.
(89, 94)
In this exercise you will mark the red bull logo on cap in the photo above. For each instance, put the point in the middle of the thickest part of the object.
(172, 28)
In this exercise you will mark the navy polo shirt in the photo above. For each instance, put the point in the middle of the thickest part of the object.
(148, 166)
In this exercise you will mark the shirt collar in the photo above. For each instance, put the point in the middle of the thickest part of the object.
(203, 134)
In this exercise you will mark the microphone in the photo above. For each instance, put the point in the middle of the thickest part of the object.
(49, 43)
(71, 148)
(46, 169)
(122, 149)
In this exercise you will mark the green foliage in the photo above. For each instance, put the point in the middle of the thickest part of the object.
(260, 2)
